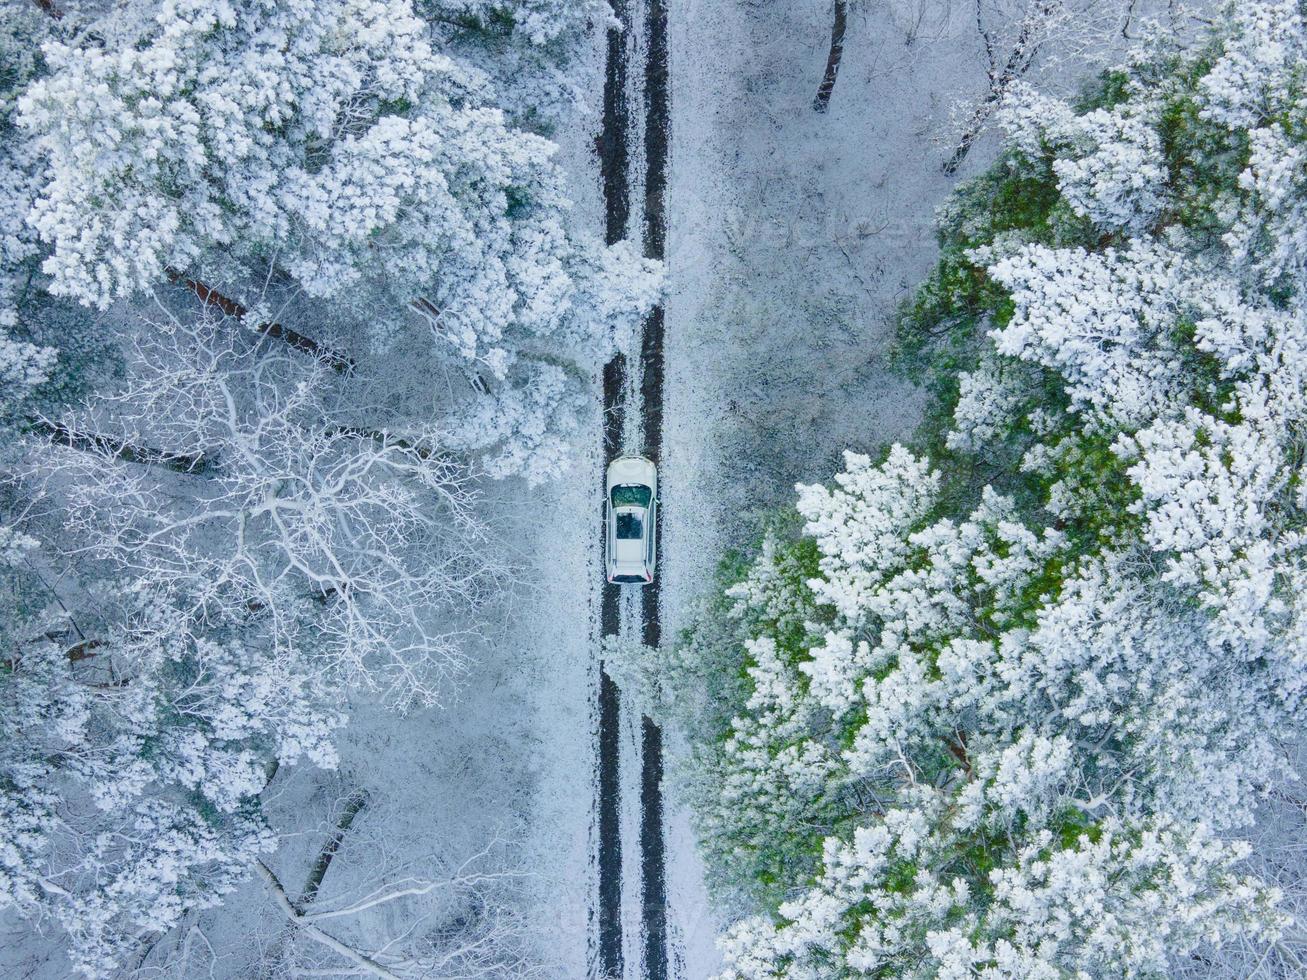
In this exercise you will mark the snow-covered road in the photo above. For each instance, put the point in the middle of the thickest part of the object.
(630, 917)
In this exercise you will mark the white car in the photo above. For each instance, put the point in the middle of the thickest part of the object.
(632, 520)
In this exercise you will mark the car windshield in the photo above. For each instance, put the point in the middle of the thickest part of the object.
(630, 495)
(629, 527)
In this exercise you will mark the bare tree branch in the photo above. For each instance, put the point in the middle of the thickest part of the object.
(381, 531)
(364, 963)
(1025, 49)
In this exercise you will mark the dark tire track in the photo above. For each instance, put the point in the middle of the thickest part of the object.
(614, 155)
(614, 165)
(656, 136)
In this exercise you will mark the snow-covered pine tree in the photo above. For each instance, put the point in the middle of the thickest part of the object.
(22, 365)
(531, 48)
(1023, 716)
(334, 142)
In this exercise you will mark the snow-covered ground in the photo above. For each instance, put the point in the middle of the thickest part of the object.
(793, 236)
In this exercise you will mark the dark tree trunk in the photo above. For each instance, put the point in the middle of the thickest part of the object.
(822, 101)
(84, 650)
(356, 802)
(386, 439)
(90, 442)
(338, 360)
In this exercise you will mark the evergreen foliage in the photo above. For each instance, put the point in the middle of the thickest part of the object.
(1011, 701)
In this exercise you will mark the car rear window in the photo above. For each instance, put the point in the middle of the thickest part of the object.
(631, 495)
(629, 527)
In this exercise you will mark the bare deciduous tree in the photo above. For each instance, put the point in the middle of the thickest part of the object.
(300, 516)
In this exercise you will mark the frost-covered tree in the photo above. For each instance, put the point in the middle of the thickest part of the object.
(1013, 705)
(22, 365)
(133, 747)
(456, 923)
(530, 48)
(129, 768)
(337, 142)
(536, 21)
(246, 554)
(1025, 39)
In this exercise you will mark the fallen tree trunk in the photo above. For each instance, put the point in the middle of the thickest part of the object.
(338, 360)
(822, 101)
(90, 442)
(361, 963)
(353, 805)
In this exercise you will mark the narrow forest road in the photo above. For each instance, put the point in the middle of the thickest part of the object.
(630, 916)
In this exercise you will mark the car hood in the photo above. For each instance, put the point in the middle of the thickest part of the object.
(632, 469)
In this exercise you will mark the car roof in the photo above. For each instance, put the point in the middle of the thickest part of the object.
(629, 550)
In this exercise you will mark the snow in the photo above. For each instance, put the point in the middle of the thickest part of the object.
(793, 235)
(559, 629)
